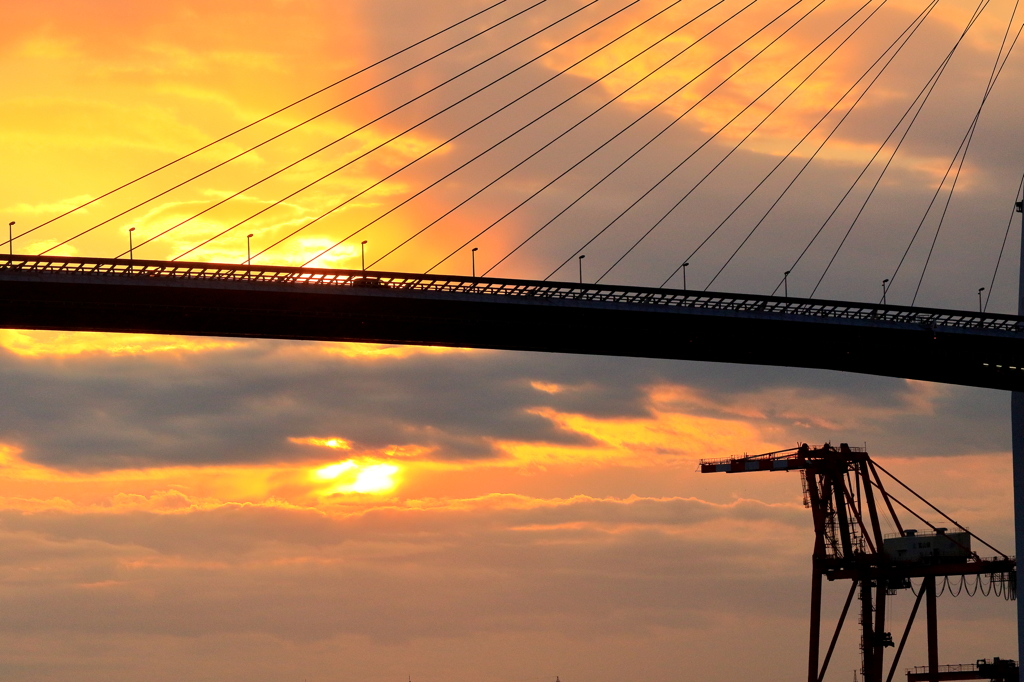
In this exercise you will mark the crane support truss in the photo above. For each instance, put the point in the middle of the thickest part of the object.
(208, 299)
(842, 488)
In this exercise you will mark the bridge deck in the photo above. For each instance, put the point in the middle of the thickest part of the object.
(160, 297)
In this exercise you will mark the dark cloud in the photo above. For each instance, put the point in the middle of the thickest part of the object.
(94, 411)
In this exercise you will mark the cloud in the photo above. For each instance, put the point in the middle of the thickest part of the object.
(657, 574)
(586, 566)
(252, 402)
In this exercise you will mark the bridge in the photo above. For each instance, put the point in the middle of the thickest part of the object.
(546, 137)
(209, 299)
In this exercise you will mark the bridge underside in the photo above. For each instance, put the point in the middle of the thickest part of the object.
(371, 311)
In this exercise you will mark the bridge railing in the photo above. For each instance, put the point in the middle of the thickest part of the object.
(490, 286)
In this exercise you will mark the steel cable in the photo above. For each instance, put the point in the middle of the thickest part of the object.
(666, 177)
(856, 181)
(533, 154)
(746, 137)
(852, 186)
(965, 144)
(956, 155)
(793, 182)
(288, 130)
(1002, 248)
(924, 95)
(905, 36)
(936, 509)
(607, 142)
(497, 144)
(262, 119)
(391, 139)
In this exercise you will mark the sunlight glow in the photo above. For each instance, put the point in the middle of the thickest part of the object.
(351, 477)
(375, 478)
(332, 443)
(333, 471)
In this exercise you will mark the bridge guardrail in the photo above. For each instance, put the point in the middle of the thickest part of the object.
(815, 308)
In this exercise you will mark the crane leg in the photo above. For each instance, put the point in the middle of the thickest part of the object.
(815, 639)
(867, 631)
(879, 642)
(933, 628)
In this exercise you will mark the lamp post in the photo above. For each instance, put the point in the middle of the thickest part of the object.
(885, 290)
(473, 256)
(685, 265)
(131, 250)
(980, 308)
(362, 249)
(785, 282)
(582, 256)
(248, 256)
(10, 236)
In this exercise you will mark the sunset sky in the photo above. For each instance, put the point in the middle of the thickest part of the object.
(216, 509)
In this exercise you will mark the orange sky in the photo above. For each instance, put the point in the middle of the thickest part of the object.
(201, 509)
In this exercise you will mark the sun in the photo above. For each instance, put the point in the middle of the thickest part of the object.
(353, 477)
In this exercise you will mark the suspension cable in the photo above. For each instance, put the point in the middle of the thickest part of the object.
(631, 156)
(516, 132)
(854, 184)
(404, 132)
(292, 128)
(666, 177)
(266, 117)
(849, 190)
(628, 127)
(749, 134)
(905, 37)
(1002, 248)
(952, 162)
(495, 145)
(790, 186)
(924, 95)
(965, 144)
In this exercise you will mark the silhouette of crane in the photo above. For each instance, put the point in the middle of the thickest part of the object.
(841, 486)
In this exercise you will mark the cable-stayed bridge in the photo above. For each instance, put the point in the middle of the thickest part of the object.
(599, 172)
(161, 297)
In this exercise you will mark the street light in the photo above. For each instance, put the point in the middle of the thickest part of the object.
(362, 248)
(248, 256)
(785, 282)
(980, 307)
(131, 250)
(10, 236)
(473, 256)
(885, 290)
(685, 265)
(581, 267)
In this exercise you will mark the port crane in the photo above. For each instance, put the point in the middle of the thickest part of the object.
(842, 486)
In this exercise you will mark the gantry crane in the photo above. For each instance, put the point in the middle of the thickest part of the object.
(841, 486)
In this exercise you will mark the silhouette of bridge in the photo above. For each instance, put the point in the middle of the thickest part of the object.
(173, 297)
